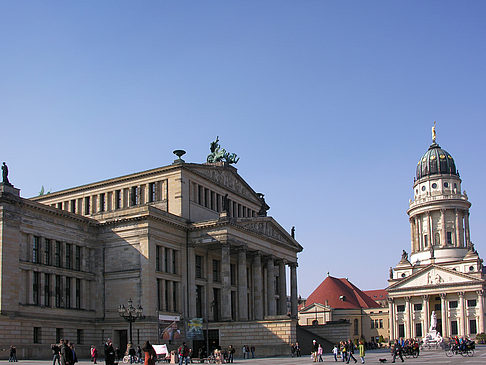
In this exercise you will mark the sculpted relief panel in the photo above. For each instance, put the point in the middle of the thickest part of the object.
(265, 228)
(228, 180)
(434, 277)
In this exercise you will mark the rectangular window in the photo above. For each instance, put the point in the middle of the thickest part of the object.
(400, 308)
(47, 251)
(35, 288)
(206, 197)
(199, 301)
(381, 323)
(174, 297)
(454, 328)
(79, 337)
(472, 327)
(77, 258)
(157, 258)
(372, 323)
(59, 334)
(233, 276)
(233, 305)
(218, 203)
(37, 335)
(417, 307)
(200, 197)
(73, 206)
(59, 205)
(135, 196)
(216, 266)
(453, 304)
(57, 254)
(166, 259)
(199, 267)
(35, 250)
(166, 304)
(47, 290)
(212, 200)
(68, 292)
(118, 199)
(174, 261)
(449, 238)
(151, 194)
(471, 302)
(58, 291)
(159, 294)
(401, 330)
(426, 240)
(86, 205)
(102, 202)
(69, 264)
(78, 294)
(437, 307)
(418, 329)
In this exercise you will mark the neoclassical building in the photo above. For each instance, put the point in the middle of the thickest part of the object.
(444, 272)
(182, 241)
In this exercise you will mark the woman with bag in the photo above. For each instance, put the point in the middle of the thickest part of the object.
(150, 354)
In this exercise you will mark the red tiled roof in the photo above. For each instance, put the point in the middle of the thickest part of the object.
(378, 294)
(331, 289)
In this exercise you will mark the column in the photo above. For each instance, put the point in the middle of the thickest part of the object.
(466, 228)
(242, 286)
(293, 289)
(462, 316)
(457, 235)
(431, 230)
(53, 290)
(163, 298)
(426, 315)
(391, 316)
(42, 283)
(443, 238)
(191, 281)
(420, 233)
(30, 287)
(461, 229)
(272, 305)
(412, 238)
(416, 233)
(444, 311)
(146, 191)
(226, 283)
(257, 286)
(170, 299)
(282, 290)
(407, 317)
(481, 310)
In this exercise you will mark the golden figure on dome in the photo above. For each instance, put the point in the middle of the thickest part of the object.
(434, 136)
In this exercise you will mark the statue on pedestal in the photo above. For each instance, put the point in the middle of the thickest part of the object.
(433, 322)
(5, 174)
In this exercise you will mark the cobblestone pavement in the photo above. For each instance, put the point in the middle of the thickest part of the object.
(372, 357)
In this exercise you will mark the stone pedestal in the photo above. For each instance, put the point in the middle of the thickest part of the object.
(6, 188)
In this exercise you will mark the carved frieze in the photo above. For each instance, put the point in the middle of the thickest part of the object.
(265, 228)
(228, 180)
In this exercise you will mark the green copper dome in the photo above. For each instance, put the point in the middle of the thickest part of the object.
(436, 161)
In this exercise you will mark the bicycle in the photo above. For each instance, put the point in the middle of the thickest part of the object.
(126, 359)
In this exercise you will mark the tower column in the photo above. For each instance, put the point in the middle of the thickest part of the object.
(431, 230)
(443, 238)
(420, 231)
(443, 307)
(466, 228)
(391, 316)
(412, 238)
(417, 234)
(458, 235)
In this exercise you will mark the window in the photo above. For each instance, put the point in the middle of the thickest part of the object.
(446, 185)
(166, 259)
(206, 197)
(59, 205)
(356, 327)
(68, 292)
(57, 254)
(216, 266)
(47, 290)
(79, 337)
(59, 334)
(437, 307)
(472, 327)
(199, 301)
(449, 238)
(47, 251)
(102, 202)
(157, 258)
(381, 323)
(417, 307)
(233, 276)
(73, 206)
(454, 328)
(400, 308)
(37, 335)
(434, 186)
(78, 294)
(35, 249)
(418, 329)
(174, 261)
(152, 191)
(200, 196)
(166, 304)
(212, 200)
(58, 291)
(175, 302)
(401, 330)
(86, 205)
(159, 294)
(471, 302)
(69, 264)
(118, 199)
(135, 195)
(35, 288)
(77, 258)
(199, 267)
(453, 304)
(423, 188)
(372, 323)
(426, 240)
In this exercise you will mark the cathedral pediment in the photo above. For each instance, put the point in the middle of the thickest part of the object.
(226, 176)
(433, 276)
(268, 227)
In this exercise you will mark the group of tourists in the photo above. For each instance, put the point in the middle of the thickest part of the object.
(64, 353)
(13, 354)
(246, 350)
(295, 350)
(460, 343)
(346, 349)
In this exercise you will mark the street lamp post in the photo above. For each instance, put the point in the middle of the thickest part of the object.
(130, 314)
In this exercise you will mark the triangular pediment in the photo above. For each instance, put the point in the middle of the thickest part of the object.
(226, 176)
(268, 227)
(311, 308)
(433, 276)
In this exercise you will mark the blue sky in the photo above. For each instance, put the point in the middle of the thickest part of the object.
(329, 104)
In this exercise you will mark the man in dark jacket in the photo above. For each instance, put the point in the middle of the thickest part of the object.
(56, 350)
(109, 353)
(350, 351)
(66, 353)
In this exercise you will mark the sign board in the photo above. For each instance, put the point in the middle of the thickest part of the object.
(160, 349)
(163, 317)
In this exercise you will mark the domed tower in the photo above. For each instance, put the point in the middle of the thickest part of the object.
(439, 212)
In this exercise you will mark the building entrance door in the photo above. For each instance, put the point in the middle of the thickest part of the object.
(122, 338)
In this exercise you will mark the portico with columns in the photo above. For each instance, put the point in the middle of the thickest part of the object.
(444, 272)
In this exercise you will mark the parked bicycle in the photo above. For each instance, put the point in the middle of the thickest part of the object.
(466, 349)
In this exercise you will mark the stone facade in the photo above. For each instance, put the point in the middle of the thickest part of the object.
(444, 272)
(161, 237)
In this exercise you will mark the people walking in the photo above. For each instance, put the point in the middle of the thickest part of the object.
(335, 352)
(183, 353)
(13, 354)
(315, 347)
(56, 353)
(252, 350)
(319, 352)
(93, 353)
(243, 350)
(361, 351)
(150, 354)
(66, 353)
(109, 353)
(231, 352)
(350, 351)
(397, 351)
